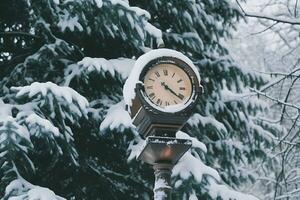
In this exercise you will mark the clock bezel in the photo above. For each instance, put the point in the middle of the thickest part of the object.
(195, 84)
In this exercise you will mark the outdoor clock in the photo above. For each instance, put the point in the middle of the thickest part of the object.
(167, 84)
(166, 90)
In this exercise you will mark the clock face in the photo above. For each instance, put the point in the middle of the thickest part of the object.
(167, 84)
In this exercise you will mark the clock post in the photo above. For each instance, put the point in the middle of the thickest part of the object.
(160, 93)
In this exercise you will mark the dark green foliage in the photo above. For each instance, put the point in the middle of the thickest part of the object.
(85, 162)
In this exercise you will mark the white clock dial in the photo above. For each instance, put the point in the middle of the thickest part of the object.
(167, 84)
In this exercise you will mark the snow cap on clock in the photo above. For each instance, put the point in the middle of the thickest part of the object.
(142, 61)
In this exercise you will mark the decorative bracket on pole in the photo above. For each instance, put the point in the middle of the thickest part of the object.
(163, 153)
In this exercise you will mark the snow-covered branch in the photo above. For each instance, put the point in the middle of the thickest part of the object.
(258, 92)
(272, 18)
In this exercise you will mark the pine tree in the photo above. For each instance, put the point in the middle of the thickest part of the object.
(63, 122)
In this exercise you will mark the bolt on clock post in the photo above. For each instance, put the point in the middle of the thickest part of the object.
(160, 94)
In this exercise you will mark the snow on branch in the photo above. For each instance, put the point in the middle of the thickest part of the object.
(34, 121)
(275, 100)
(14, 140)
(290, 74)
(195, 142)
(189, 166)
(20, 189)
(135, 147)
(88, 65)
(141, 13)
(5, 109)
(68, 22)
(136, 17)
(247, 97)
(9, 127)
(192, 166)
(66, 94)
(63, 106)
(186, 38)
(218, 190)
(116, 118)
(206, 120)
(272, 18)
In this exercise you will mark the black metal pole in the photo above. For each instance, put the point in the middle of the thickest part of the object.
(162, 187)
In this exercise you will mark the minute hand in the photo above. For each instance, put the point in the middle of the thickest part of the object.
(168, 88)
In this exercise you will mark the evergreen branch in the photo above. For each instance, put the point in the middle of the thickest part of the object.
(18, 33)
(127, 178)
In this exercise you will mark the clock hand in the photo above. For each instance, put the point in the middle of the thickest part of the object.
(168, 88)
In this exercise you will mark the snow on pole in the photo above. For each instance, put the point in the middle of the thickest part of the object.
(162, 186)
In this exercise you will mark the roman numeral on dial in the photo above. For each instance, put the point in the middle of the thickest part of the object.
(179, 80)
(165, 72)
(180, 96)
(159, 102)
(152, 95)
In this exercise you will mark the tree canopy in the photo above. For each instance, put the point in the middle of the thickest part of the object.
(63, 123)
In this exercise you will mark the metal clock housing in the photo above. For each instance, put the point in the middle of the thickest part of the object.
(152, 118)
(181, 103)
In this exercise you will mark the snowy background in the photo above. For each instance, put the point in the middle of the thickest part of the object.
(64, 131)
